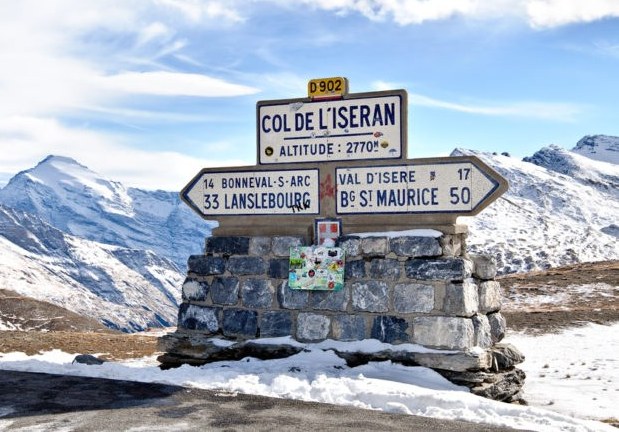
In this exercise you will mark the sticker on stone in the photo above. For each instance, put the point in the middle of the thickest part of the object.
(316, 268)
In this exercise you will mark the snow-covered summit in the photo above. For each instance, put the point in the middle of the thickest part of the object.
(560, 208)
(590, 172)
(79, 201)
(67, 178)
(599, 147)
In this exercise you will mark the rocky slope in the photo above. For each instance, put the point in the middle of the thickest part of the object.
(75, 200)
(561, 208)
(125, 289)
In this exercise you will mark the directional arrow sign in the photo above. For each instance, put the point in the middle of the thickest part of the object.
(451, 185)
(217, 192)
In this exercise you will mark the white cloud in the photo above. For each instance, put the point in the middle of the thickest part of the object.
(152, 32)
(200, 10)
(563, 112)
(173, 84)
(537, 13)
(38, 137)
(554, 13)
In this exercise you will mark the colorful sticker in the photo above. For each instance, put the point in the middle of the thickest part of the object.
(317, 268)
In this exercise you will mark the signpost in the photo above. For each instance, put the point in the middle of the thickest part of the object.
(244, 192)
(340, 157)
(358, 127)
(451, 186)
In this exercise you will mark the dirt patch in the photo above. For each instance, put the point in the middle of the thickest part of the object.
(25, 313)
(548, 301)
(109, 346)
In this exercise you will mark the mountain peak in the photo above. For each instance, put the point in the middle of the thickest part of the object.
(59, 159)
(603, 148)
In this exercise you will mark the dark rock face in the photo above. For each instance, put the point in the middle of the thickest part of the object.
(279, 268)
(354, 269)
(242, 266)
(257, 293)
(87, 359)
(386, 269)
(227, 245)
(455, 269)
(390, 329)
(195, 290)
(240, 323)
(194, 317)
(416, 246)
(225, 290)
(275, 324)
(206, 265)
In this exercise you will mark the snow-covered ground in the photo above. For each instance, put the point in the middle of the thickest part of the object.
(572, 378)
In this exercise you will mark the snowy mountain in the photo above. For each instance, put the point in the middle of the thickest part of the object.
(125, 289)
(78, 201)
(74, 239)
(599, 147)
(561, 208)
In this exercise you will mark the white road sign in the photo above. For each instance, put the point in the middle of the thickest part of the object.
(449, 187)
(362, 126)
(282, 192)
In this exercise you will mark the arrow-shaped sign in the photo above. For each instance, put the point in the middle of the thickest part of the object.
(237, 192)
(450, 186)
(288, 198)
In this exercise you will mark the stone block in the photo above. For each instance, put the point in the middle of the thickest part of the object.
(484, 267)
(489, 296)
(457, 361)
(455, 269)
(385, 269)
(330, 300)
(279, 268)
(483, 333)
(225, 290)
(348, 327)
(451, 333)
(413, 297)
(375, 246)
(194, 290)
(350, 244)
(194, 317)
(370, 296)
(312, 327)
(260, 246)
(246, 265)
(414, 247)
(257, 293)
(506, 356)
(280, 245)
(452, 245)
(291, 299)
(240, 323)
(354, 269)
(461, 299)
(498, 326)
(390, 329)
(227, 245)
(206, 265)
(275, 324)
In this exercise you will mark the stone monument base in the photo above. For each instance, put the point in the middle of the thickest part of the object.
(420, 289)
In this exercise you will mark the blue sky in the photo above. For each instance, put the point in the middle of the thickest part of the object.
(147, 92)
